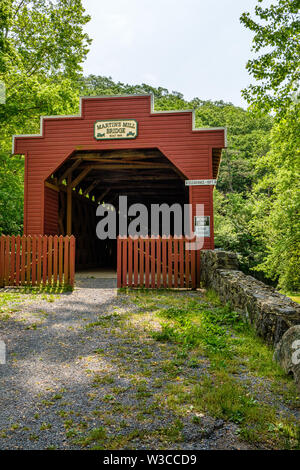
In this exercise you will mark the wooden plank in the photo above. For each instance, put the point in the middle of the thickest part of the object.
(187, 264)
(136, 261)
(129, 261)
(18, 261)
(2, 260)
(23, 259)
(176, 257)
(72, 260)
(193, 268)
(164, 260)
(55, 259)
(147, 261)
(7, 260)
(69, 207)
(66, 260)
(158, 262)
(119, 262)
(153, 270)
(124, 262)
(181, 261)
(28, 260)
(124, 154)
(170, 262)
(52, 186)
(60, 259)
(100, 198)
(45, 257)
(141, 261)
(33, 262)
(128, 166)
(39, 259)
(12, 278)
(91, 187)
(50, 256)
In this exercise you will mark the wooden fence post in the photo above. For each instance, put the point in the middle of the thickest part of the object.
(66, 261)
(119, 262)
(18, 260)
(72, 260)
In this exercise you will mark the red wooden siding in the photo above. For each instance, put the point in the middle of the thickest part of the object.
(36, 260)
(156, 262)
(188, 150)
(50, 212)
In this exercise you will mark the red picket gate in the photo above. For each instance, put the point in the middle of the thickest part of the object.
(35, 260)
(157, 262)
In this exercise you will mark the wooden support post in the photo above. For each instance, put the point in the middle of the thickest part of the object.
(100, 198)
(69, 206)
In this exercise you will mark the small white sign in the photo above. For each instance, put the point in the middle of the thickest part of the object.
(202, 225)
(200, 182)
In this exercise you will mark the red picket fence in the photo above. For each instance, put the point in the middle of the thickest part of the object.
(157, 263)
(37, 260)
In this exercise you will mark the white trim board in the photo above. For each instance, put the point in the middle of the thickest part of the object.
(152, 111)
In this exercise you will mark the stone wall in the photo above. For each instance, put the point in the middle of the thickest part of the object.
(270, 312)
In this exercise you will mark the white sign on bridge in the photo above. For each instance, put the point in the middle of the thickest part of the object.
(200, 182)
(116, 129)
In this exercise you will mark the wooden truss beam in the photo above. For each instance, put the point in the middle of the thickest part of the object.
(69, 170)
(91, 187)
(80, 177)
(100, 198)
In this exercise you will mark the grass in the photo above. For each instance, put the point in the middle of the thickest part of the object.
(240, 367)
(10, 298)
(295, 296)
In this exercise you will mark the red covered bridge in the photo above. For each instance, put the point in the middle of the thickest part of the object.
(77, 162)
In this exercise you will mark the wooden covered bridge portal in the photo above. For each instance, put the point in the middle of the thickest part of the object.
(118, 146)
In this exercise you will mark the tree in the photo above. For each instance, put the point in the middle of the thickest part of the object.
(277, 36)
(42, 47)
(277, 195)
(277, 208)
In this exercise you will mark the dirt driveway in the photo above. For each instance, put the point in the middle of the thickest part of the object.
(80, 374)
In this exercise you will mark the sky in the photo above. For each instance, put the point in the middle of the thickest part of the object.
(196, 47)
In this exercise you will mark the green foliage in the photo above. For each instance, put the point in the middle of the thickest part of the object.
(276, 36)
(276, 193)
(11, 194)
(42, 47)
(277, 206)
(194, 324)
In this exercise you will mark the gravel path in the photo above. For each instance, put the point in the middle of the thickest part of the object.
(72, 368)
